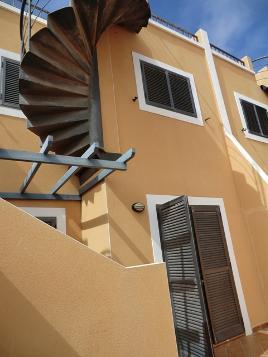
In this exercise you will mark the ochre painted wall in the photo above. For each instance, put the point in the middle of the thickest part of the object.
(173, 157)
(72, 209)
(253, 201)
(95, 221)
(233, 79)
(15, 135)
(59, 298)
(10, 31)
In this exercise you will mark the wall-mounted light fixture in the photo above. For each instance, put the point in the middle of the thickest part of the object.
(138, 207)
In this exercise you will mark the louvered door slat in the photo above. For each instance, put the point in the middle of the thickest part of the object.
(10, 82)
(224, 309)
(189, 312)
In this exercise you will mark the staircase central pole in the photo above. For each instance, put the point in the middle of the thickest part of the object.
(95, 119)
(29, 22)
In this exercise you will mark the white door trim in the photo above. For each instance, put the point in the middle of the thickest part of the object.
(58, 213)
(153, 200)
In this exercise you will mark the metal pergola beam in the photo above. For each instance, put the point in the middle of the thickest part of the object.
(25, 156)
(128, 155)
(38, 196)
(33, 170)
(73, 170)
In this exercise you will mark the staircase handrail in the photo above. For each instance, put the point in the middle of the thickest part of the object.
(27, 21)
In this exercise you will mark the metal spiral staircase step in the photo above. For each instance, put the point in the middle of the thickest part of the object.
(63, 25)
(46, 46)
(57, 120)
(55, 89)
(58, 74)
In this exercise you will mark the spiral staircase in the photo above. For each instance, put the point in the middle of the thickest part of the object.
(59, 87)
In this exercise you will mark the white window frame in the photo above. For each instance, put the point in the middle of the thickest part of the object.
(13, 112)
(58, 213)
(153, 200)
(238, 98)
(160, 111)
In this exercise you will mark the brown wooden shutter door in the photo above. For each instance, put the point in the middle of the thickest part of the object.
(224, 310)
(178, 247)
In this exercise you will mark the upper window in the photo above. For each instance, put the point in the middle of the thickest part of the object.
(254, 117)
(10, 82)
(165, 90)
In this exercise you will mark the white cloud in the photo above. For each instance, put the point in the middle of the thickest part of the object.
(225, 20)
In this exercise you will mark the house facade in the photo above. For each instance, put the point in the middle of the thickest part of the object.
(197, 119)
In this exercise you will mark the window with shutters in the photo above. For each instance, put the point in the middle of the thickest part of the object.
(10, 82)
(166, 91)
(203, 293)
(254, 117)
(54, 217)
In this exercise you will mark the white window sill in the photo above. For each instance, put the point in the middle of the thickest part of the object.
(170, 114)
(256, 137)
(11, 112)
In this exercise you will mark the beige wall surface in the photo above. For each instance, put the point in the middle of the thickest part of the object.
(253, 199)
(10, 31)
(233, 79)
(72, 209)
(95, 221)
(15, 135)
(59, 298)
(252, 191)
(173, 157)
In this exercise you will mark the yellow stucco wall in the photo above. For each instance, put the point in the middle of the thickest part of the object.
(10, 31)
(95, 220)
(233, 79)
(15, 135)
(253, 200)
(76, 303)
(173, 157)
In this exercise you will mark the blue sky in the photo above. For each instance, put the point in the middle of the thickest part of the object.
(238, 26)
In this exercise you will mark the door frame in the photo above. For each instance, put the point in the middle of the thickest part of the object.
(153, 200)
(58, 213)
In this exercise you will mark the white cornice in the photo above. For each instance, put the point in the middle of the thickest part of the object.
(175, 33)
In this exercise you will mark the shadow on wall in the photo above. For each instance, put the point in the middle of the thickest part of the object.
(124, 237)
(253, 198)
(23, 329)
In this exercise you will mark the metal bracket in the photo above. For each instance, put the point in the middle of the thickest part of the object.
(128, 155)
(44, 150)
